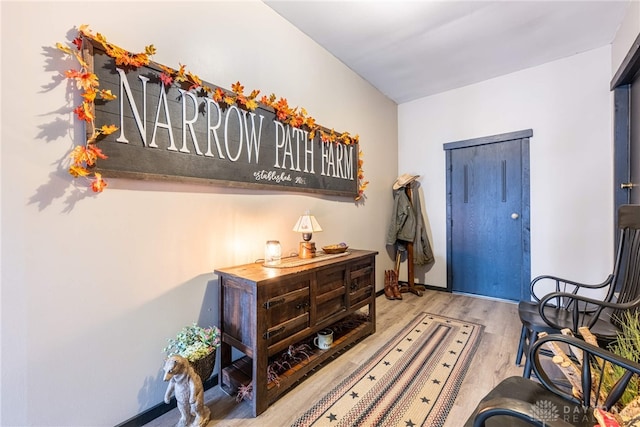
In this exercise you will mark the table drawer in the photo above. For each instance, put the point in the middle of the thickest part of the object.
(287, 306)
(331, 292)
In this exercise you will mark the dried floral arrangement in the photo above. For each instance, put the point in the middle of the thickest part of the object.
(626, 412)
(84, 157)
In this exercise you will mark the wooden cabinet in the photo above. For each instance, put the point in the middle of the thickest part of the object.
(265, 310)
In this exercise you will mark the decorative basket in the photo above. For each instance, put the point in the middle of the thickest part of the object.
(334, 249)
(204, 366)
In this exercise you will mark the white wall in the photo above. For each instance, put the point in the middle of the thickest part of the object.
(626, 35)
(93, 285)
(567, 103)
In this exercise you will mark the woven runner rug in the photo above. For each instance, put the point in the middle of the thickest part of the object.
(412, 381)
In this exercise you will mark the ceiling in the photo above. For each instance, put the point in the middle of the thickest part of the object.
(412, 49)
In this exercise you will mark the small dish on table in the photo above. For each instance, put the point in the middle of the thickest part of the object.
(335, 249)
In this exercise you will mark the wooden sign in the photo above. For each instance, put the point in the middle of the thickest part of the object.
(168, 132)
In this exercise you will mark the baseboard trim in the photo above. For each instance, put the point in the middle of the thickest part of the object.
(431, 288)
(485, 297)
(161, 408)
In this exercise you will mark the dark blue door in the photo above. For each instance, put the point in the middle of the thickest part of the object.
(626, 135)
(488, 216)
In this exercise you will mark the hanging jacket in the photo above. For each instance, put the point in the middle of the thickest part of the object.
(422, 253)
(403, 219)
(407, 225)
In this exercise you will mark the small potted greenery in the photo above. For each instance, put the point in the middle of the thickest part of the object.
(198, 345)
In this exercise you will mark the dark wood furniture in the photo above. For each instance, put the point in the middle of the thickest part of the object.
(518, 401)
(568, 307)
(265, 310)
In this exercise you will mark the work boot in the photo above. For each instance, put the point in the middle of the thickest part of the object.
(395, 288)
(388, 292)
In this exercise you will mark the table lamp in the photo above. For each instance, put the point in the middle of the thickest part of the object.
(307, 225)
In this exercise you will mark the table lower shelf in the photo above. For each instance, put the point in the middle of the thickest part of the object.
(239, 373)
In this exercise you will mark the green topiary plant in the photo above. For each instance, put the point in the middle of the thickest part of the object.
(627, 345)
(194, 342)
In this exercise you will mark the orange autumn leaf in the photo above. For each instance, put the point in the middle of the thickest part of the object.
(310, 121)
(218, 95)
(78, 154)
(138, 60)
(281, 115)
(108, 129)
(86, 154)
(107, 95)
(77, 42)
(84, 29)
(282, 104)
(268, 100)
(166, 79)
(195, 80)
(167, 70)
(63, 48)
(142, 59)
(237, 88)
(150, 50)
(89, 95)
(86, 80)
(241, 100)
(120, 55)
(77, 170)
(180, 75)
(229, 100)
(296, 121)
(265, 100)
(83, 112)
(72, 74)
(93, 153)
(251, 105)
(99, 37)
(345, 138)
(98, 184)
(254, 94)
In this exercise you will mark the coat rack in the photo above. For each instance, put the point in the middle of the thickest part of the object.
(410, 284)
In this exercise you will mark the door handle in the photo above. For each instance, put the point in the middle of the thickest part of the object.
(628, 185)
(515, 216)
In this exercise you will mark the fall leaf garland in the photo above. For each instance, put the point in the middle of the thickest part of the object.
(84, 157)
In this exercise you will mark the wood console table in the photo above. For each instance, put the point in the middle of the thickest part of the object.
(265, 310)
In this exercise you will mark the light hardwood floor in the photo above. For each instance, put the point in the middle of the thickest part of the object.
(494, 360)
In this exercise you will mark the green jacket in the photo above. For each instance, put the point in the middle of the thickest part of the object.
(407, 225)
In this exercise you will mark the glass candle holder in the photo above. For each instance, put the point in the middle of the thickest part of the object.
(272, 252)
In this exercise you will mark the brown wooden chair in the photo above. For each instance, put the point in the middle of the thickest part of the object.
(569, 307)
(518, 401)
